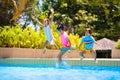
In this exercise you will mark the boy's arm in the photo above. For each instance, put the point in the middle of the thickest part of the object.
(88, 42)
(96, 42)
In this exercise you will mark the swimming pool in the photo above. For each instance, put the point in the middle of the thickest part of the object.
(53, 72)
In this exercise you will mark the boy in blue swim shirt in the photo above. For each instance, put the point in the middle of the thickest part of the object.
(89, 44)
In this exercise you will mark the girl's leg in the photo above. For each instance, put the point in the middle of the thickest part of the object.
(56, 47)
(52, 43)
(60, 56)
(44, 45)
(82, 54)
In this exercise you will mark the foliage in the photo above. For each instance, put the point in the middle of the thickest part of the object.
(16, 8)
(103, 16)
(21, 38)
(29, 38)
(75, 40)
(117, 45)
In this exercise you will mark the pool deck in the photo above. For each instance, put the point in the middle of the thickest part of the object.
(53, 61)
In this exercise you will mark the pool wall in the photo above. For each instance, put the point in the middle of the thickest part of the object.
(35, 56)
(37, 53)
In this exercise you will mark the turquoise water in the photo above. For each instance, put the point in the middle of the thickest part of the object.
(46, 72)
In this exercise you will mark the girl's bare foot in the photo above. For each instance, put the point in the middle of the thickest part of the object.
(81, 58)
(44, 50)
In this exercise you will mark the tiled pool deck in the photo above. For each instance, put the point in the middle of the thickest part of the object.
(52, 61)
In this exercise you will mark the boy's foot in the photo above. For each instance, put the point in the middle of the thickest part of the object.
(44, 50)
(96, 61)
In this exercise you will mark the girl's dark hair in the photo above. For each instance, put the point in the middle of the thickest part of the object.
(60, 26)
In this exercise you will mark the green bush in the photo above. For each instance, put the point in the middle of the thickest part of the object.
(29, 38)
(117, 45)
(21, 38)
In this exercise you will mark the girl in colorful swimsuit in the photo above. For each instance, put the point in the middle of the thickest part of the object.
(65, 43)
(47, 30)
(48, 33)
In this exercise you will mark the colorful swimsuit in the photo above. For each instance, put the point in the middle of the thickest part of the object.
(65, 43)
(48, 33)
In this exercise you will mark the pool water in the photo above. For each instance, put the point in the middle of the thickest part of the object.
(46, 72)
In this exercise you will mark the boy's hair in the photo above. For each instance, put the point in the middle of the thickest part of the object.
(89, 30)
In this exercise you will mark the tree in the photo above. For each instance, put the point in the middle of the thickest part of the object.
(12, 9)
(72, 13)
(103, 16)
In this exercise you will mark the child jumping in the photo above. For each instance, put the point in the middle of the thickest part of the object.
(65, 42)
(89, 41)
(48, 33)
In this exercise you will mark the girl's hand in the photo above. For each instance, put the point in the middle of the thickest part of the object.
(54, 38)
(52, 10)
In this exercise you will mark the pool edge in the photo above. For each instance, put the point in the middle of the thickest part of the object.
(53, 61)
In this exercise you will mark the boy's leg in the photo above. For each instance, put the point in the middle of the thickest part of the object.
(82, 54)
(94, 55)
(44, 45)
(60, 56)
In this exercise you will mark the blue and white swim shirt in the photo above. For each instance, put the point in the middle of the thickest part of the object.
(88, 39)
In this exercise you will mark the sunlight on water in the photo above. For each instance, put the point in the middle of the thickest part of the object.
(59, 73)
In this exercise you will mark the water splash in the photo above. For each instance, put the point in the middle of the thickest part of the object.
(63, 65)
